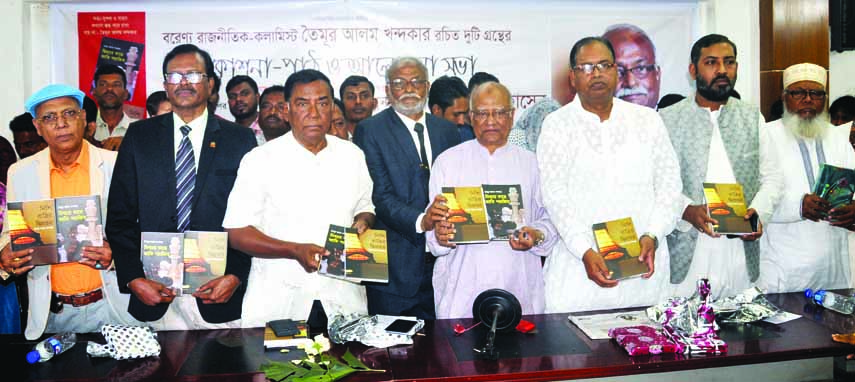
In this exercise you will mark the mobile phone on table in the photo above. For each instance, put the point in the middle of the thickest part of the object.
(400, 326)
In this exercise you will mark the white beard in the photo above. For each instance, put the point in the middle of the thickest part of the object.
(806, 128)
(409, 110)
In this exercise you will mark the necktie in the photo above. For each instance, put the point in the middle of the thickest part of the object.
(420, 131)
(185, 178)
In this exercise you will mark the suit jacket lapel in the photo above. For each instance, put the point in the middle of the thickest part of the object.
(402, 134)
(164, 161)
(207, 155)
(44, 168)
(436, 143)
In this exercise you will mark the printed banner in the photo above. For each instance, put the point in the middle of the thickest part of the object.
(527, 48)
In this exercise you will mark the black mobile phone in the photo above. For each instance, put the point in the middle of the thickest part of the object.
(401, 326)
(753, 220)
(284, 328)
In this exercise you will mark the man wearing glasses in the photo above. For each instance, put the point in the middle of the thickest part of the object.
(635, 56)
(174, 173)
(458, 276)
(602, 159)
(79, 296)
(400, 144)
(804, 222)
(719, 139)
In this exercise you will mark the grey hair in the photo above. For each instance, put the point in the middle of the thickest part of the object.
(400, 62)
(634, 29)
(488, 87)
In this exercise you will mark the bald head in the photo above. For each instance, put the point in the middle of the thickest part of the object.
(493, 89)
(492, 114)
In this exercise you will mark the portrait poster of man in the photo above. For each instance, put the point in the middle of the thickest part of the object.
(651, 52)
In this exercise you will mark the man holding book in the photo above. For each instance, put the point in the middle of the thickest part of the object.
(719, 139)
(78, 296)
(282, 220)
(174, 173)
(805, 245)
(602, 159)
(462, 271)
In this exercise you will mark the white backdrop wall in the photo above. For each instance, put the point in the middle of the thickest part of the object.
(48, 50)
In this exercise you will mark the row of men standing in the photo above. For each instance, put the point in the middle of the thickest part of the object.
(276, 201)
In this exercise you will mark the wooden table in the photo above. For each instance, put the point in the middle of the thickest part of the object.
(558, 351)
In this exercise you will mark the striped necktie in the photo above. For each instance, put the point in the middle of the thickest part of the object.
(185, 178)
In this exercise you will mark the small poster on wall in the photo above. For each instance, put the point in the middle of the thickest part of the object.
(116, 38)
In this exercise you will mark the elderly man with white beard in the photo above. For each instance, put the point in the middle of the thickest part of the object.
(806, 244)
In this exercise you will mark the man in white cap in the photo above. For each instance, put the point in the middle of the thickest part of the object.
(719, 139)
(806, 244)
(70, 297)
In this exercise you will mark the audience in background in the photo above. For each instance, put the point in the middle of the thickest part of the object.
(27, 140)
(157, 104)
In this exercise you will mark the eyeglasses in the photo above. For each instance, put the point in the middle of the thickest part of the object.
(175, 78)
(51, 119)
(589, 68)
(640, 71)
(800, 94)
(400, 83)
(500, 115)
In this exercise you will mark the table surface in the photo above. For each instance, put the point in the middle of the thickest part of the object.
(558, 351)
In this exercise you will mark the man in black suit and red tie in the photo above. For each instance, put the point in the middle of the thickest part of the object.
(174, 173)
(400, 144)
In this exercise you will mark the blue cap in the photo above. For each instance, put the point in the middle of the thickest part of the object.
(50, 92)
(33, 356)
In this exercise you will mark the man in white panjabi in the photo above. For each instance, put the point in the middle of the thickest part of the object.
(718, 139)
(286, 195)
(806, 242)
(603, 159)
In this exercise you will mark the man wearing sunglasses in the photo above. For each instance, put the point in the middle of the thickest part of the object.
(805, 245)
(719, 139)
(635, 56)
(602, 159)
(174, 173)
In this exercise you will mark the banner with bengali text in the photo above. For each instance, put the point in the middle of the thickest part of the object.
(526, 47)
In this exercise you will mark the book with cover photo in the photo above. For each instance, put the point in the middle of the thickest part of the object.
(726, 204)
(467, 213)
(56, 229)
(355, 257)
(504, 207)
(204, 258)
(184, 261)
(618, 243)
(162, 258)
(835, 184)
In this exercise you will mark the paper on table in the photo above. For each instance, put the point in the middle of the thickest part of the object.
(781, 318)
(596, 326)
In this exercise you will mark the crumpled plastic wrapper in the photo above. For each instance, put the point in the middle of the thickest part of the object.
(645, 340)
(748, 306)
(125, 342)
(367, 330)
(691, 321)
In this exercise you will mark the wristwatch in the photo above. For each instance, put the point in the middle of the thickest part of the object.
(539, 237)
(655, 240)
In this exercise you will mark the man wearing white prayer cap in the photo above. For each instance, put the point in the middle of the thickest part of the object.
(806, 244)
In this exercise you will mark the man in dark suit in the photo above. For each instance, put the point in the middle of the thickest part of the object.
(158, 189)
(400, 143)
